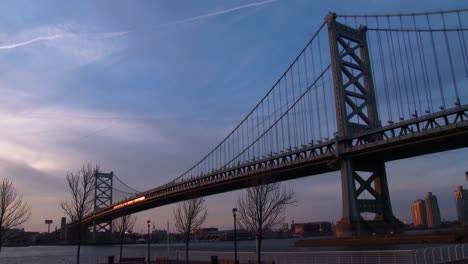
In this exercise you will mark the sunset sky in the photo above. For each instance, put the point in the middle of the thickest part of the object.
(147, 88)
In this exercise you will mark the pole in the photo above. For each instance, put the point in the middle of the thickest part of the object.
(235, 241)
(167, 239)
(149, 257)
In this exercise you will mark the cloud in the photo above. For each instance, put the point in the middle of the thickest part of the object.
(24, 43)
(217, 13)
(117, 34)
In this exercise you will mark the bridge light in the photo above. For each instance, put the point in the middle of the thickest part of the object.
(139, 199)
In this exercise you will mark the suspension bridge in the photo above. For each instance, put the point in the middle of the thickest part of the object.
(366, 89)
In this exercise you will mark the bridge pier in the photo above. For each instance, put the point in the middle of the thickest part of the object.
(365, 189)
(364, 181)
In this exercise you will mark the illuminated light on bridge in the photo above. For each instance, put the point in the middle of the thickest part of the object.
(139, 199)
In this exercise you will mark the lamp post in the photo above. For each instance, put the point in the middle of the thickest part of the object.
(234, 213)
(149, 256)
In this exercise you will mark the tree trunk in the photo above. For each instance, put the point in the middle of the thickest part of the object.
(259, 246)
(79, 245)
(121, 245)
(187, 239)
(1, 233)
(78, 253)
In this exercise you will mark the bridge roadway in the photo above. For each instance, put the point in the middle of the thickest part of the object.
(441, 131)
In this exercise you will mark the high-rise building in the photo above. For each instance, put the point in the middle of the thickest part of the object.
(461, 199)
(432, 211)
(419, 213)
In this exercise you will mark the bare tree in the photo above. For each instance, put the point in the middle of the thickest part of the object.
(262, 207)
(122, 225)
(80, 204)
(13, 210)
(189, 215)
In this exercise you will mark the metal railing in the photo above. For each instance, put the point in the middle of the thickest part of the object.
(64, 259)
(432, 255)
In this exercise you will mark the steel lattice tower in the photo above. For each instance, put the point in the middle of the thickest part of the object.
(357, 111)
(103, 198)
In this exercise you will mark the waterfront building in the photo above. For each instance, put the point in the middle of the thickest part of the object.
(432, 211)
(419, 213)
(313, 229)
(461, 200)
(284, 227)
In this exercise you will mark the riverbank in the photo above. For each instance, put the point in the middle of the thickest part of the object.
(439, 237)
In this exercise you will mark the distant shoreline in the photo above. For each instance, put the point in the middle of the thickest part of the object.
(437, 237)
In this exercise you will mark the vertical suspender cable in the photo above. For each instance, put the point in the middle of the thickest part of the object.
(302, 104)
(395, 71)
(294, 108)
(310, 112)
(323, 88)
(439, 79)
(405, 81)
(282, 120)
(372, 68)
(384, 74)
(413, 68)
(452, 71)
(424, 71)
(461, 39)
(316, 98)
(287, 107)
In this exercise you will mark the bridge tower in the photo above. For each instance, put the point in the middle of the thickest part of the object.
(102, 199)
(356, 110)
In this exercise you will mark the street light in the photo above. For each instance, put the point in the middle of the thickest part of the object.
(149, 257)
(234, 213)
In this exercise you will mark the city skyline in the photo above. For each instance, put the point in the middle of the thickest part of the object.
(112, 91)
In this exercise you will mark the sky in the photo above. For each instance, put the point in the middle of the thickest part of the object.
(147, 88)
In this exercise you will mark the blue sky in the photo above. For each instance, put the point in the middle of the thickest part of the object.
(146, 88)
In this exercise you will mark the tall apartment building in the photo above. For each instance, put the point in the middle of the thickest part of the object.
(432, 211)
(461, 200)
(419, 213)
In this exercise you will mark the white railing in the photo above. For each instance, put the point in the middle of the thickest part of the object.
(432, 255)
(358, 257)
(441, 254)
(65, 259)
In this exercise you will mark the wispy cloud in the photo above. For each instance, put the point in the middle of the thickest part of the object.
(217, 13)
(31, 41)
(116, 34)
